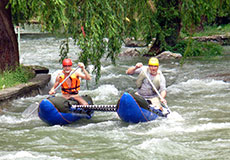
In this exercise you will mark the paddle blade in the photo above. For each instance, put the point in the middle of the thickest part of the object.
(32, 110)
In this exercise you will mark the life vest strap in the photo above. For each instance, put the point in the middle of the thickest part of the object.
(64, 89)
(68, 90)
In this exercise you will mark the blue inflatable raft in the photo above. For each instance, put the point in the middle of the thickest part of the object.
(58, 111)
(132, 108)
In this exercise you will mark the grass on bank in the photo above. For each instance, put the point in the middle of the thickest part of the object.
(12, 78)
(208, 31)
(193, 48)
(213, 30)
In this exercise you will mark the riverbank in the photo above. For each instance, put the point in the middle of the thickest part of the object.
(32, 88)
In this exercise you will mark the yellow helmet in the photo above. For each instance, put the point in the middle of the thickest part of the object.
(153, 61)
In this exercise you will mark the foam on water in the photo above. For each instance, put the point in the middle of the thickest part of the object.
(200, 89)
(25, 155)
(207, 127)
(111, 76)
(104, 92)
(45, 141)
(174, 116)
(168, 128)
(199, 83)
(8, 119)
(17, 155)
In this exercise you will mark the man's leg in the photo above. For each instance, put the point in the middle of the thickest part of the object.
(156, 102)
(80, 100)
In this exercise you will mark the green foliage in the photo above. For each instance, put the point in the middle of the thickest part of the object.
(51, 14)
(11, 78)
(190, 48)
(99, 34)
(223, 8)
(180, 47)
(194, 13)
(64, 50)
(99, 26)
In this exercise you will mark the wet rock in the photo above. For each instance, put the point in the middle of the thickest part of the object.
(220, 39)
(130, 52)
(39, 69)
(169, 55)
(130, 42)
(221, 76)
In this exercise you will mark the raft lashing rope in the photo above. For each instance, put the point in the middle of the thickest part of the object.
(104, 108)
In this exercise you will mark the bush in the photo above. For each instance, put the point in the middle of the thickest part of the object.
(189, 48)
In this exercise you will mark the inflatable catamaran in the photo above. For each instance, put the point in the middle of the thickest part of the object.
(130, 108)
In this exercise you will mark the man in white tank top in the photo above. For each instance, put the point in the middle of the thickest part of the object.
(145, 89)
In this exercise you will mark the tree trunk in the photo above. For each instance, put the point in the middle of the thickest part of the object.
(170, 26)
(155, 48)
(9, 54)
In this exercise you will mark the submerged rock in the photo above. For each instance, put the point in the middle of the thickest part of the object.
(130, 42)
(220, 39)
(169, 55)
(220, 76)
(130, 52)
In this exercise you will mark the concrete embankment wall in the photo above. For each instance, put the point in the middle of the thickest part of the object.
(32, 88)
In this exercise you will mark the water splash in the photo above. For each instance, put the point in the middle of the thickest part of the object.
(175, 117)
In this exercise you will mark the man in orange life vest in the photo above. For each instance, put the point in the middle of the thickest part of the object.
(71, 86)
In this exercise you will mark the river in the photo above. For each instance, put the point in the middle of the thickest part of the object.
(198, 128)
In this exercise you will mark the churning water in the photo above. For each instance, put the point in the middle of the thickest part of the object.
(198, 128)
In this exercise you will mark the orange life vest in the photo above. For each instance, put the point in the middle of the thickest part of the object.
(75, 84)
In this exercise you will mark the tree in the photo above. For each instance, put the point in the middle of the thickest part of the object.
(168, 22)
(164, 19)
(89, 22)
(9, 56)
(99, 26)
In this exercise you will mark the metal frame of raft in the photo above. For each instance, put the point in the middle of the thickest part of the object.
(104, 108)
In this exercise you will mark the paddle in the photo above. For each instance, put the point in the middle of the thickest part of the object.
(33, 107)
(165, 104)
